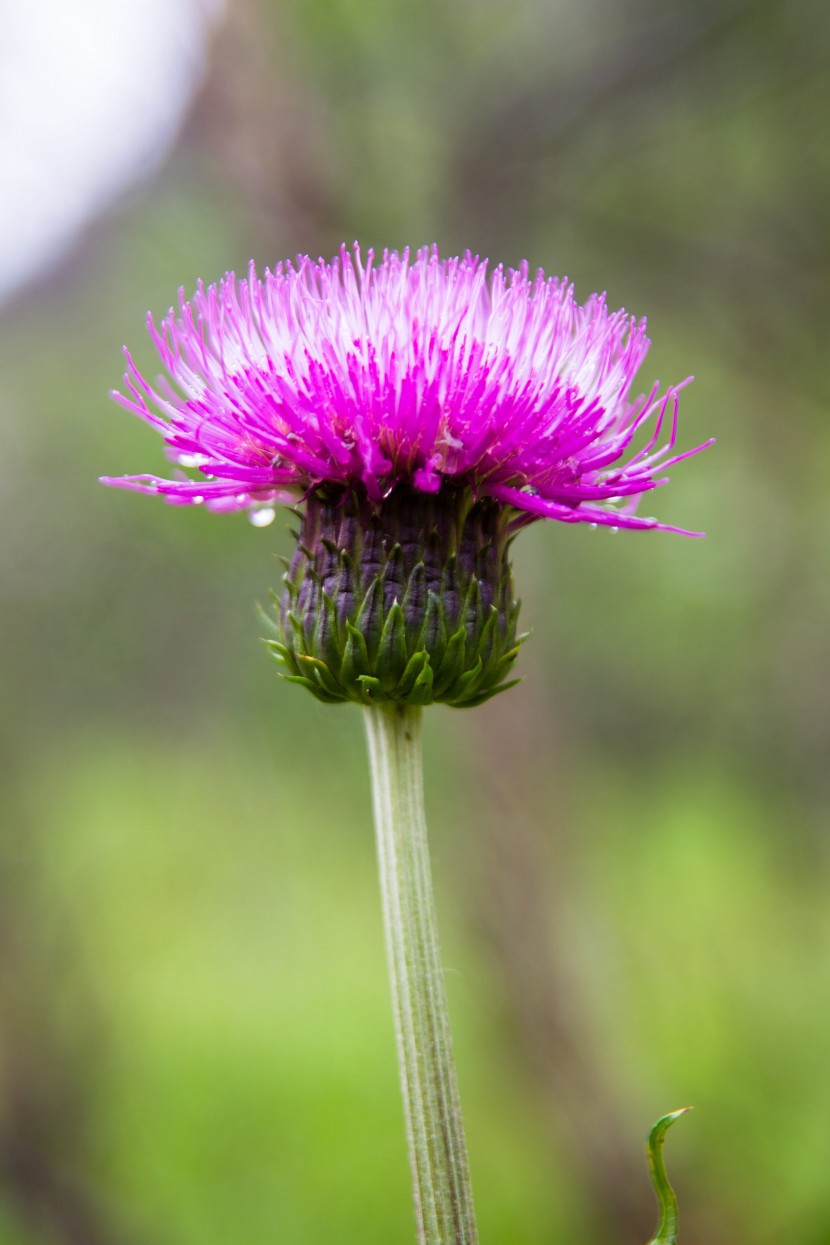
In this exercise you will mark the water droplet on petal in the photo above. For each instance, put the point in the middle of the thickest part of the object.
(197, 500)
(262, 516)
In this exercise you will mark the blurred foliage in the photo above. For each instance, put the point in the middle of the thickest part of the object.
(631, 849)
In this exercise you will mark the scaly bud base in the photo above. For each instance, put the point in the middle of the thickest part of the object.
(410, 601)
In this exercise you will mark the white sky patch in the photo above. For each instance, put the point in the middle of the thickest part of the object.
(91, 95)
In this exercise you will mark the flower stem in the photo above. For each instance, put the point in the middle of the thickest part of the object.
(437, 1150)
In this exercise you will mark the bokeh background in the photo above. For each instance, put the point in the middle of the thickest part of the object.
(631, 847)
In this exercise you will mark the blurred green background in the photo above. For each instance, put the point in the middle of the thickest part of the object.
(631, 847)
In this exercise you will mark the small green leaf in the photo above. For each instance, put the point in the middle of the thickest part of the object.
(326, 638)
(467, 682)
(297, 628)
(369, 620)
(414, 667)
(433, 633)
(369, 688)
(414, 598)
(500, 668)
(480, 697)
(391, 659)
(314, 688)
(421, 693)
(317, 669)
(277, 650)
(452, 663)
(355, 656)
(472, 610)
(393, 571)
(667, 1229)
(487, 636)
(269, 623)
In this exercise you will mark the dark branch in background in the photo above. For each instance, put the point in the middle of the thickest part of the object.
(604, 151)
(47, 1105)
(523, 903)
(507, 136)
(549, 115)
(51, 1205)
(520, 899)
(260, 121)
(537, 152)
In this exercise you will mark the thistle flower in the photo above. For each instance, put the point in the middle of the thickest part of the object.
(419, 414)
(423, 413)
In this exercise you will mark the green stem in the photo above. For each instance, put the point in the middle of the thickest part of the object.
(437, 1150)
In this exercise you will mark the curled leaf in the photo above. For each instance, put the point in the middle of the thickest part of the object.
(667, 1229)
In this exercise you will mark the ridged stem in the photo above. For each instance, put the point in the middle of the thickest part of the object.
(437, 1149)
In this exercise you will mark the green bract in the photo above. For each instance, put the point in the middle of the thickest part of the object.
(410, 600)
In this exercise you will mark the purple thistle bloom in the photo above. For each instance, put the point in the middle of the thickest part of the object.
(364, 377)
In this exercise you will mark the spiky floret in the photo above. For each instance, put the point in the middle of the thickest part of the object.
(410, 601)
(419, 372)
(419, 412)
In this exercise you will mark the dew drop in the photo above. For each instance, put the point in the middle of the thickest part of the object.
(197, 500)
(263, 516)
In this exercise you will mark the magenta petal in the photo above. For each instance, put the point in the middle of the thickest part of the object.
(409, 371)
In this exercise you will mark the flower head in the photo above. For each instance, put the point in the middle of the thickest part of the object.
(420, 373)
(422, 413)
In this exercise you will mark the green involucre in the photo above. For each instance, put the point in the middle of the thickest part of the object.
(410, 601)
